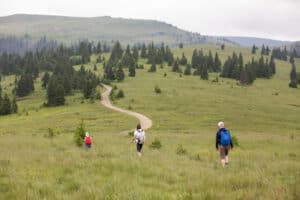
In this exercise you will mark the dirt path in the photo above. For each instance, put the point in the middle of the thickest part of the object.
(145, 122)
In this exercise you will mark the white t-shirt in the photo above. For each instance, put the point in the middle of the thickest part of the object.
(140, 135)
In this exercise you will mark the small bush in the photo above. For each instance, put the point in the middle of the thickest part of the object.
(180, 150)
(130, 133)
(79, 134)
(97, 95)
(156, 144)
(120, 94)
(157, 90)
(235, 141)
(51, 133)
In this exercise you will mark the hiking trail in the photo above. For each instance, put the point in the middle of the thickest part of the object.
(145, 122)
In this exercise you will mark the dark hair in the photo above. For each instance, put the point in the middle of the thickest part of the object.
(138, 126)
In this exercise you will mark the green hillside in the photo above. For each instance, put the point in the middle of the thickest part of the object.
(72, 29)
(264, 117)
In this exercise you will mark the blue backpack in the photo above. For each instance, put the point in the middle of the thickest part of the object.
(225, 138)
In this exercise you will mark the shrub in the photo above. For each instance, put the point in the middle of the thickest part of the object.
(97, 95)
(120, 94)
(157, 90)
(130, 133)
(79, 134)
(235, 141)
(51, 133)
(180, 150)
(156, 144)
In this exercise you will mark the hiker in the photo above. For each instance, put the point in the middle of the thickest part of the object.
(223, 143)
(87, 141)
(139, 138)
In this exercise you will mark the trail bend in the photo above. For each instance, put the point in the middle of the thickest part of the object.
(145, 122)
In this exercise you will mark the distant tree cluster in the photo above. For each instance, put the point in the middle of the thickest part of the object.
(234, 68)
(21, 45)
(280, 54)
(113, 69)
(7, 106)
(204, 64)
(265, 50)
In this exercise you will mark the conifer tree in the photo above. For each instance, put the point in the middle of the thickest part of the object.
(217, 63)
(293, 77)
(175, 67)
(132, 70)
(183, 60)
(152, 68)
(5, 108)
(210, 62)
(120, 74)
(14, 106)
(187, 70)
(254, 49)
(45, 80)
(55, 92)
(144, 51)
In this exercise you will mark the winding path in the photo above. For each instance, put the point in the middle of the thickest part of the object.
(145, 122)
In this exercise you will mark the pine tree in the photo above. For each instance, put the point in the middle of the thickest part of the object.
(195, 62)
(272, 66)
(204, 73)
(187, 70)
(263, 50)
(183, 60)
(222, 47)
(135, 53)
(5, 108)
(144, 51)
(88, 89)
(45, 80)
(210, 62)
(132, 70)
(217, 63)
(25, 85)
(152, 68)
(293, 77)
(175, 67)
(55, 92)
(254, 49)
(120, 74)
(14, 106)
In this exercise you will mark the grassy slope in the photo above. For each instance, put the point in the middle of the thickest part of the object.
(70, 29)
(266, 166)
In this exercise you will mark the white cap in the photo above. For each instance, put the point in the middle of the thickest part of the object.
(221, 125)
(87, 134)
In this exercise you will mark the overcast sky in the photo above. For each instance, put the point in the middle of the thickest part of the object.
(275, 19)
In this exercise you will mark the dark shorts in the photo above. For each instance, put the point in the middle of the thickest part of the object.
(224, 151)
(139, 147)
(88, 146)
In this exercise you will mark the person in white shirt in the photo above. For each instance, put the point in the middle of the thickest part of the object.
(139, 138)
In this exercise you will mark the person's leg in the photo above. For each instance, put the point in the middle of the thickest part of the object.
(226, 156)
(139, 149)
(222, 155)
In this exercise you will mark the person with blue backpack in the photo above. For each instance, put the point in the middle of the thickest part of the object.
(223, 143)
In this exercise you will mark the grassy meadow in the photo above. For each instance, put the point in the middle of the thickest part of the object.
(265, 117)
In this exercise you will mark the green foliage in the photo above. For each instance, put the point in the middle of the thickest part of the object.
(152, 68)
(120, 75)
(235, 141)
(156, 144)
(130, 133)
(79, 134)
(55, 92)
(51, 133)
(180, 150)
(157, 89)
(45, 80)
(120, 94)
(25, 85)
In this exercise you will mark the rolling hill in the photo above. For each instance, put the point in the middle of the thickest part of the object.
(70, 29)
